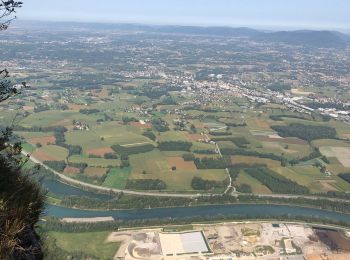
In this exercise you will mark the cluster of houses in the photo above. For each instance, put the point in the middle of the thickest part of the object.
(80, 126)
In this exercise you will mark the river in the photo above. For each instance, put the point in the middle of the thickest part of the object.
(62, 189)
(249, 210)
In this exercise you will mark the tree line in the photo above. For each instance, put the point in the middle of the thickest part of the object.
(305, 132)
(128, 150)
(175, 146)
(213, 163)
(198, 183)
(146, 184)
(275, 182)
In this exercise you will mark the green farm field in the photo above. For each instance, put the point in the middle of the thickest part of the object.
(256, 186)
(29, 135)
(94, 162)
(51, 153)
(117, 178)
(105, 135)
(94, 243)
(157, 166)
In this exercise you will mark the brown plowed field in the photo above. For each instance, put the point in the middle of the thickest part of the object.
(195, 137)
(100, 151)
(40, 155)
(181, 164)
(95, 171)
(43, 140)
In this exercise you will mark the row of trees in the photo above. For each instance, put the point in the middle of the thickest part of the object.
(345, 176)
(218, 133)
(240, 142)
(39, 128)
(280, 117)
(160, 125)
(188, 157)
(305, 132)
(280, 87)
(59, 134)
(275, 182)
(89, 111)
(128, 150)
(146, 184)
(150, 135)
(213, 163)
(127, 119)
(198, 183)
(175, 146)
(56, 225)
(58, 166)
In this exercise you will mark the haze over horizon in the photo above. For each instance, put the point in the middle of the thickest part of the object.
(260, 14)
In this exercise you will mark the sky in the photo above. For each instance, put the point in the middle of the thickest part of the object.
(293, 14)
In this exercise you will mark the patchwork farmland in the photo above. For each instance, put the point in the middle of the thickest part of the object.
(126, 141)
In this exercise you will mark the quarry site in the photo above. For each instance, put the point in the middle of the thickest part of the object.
(234, 241)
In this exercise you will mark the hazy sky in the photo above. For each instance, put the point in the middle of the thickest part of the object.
(327, 14)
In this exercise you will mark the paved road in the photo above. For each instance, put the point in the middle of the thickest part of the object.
(69, 180)
(230, 186)
(290, 196)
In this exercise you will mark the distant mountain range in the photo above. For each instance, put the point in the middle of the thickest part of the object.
(310, 38)
(321, 39)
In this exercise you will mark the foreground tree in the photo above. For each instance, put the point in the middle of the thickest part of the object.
(7, 10)
(21, 199)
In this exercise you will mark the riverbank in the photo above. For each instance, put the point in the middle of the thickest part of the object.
(241, 211)
(127, 202)
(52, 202)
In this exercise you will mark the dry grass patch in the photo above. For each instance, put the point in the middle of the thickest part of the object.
(76, 107)
(63, 122)
(71, 170)
(95, 171)
(327, 185)
(256, 123)
(299, 91)
(100, 151)
(341, 153)
(195, 137)
(104, 93)
(51, 153)
(45, 140)
(140, 125)
(28, 108)
(42, 156)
